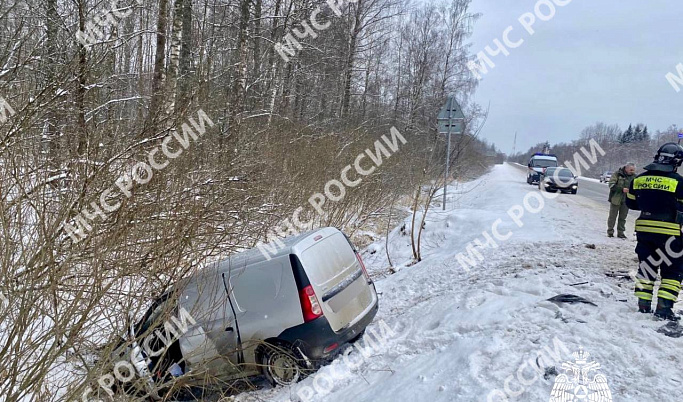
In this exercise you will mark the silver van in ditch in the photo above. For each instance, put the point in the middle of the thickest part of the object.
(279, 315)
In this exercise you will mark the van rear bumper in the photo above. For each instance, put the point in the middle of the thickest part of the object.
(314, 336)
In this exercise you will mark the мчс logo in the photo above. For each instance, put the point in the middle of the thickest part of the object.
(577, 385)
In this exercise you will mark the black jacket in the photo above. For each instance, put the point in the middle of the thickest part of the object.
(658, 194)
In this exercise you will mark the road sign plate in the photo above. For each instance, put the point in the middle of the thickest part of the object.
(457, 127)
(451, 109)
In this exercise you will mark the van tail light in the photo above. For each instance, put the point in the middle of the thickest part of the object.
(309, 304)
(330, 348)
(362, 265)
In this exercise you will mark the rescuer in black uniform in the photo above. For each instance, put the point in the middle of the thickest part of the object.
(658, 194)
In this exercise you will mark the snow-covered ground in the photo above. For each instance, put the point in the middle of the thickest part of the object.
(460, 336)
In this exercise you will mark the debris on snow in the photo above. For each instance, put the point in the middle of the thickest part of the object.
(571, 299)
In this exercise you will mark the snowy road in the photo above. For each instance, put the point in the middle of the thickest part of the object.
(469, 336)
(593, 189)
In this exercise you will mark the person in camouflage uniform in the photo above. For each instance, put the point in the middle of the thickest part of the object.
(618, 188)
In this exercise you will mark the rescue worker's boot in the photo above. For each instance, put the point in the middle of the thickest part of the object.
(665, 310)
(644, 306)
(644, 293)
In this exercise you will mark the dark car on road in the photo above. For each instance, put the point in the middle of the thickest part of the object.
(556, 179)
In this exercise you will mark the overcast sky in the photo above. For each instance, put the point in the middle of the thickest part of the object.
(596, 60)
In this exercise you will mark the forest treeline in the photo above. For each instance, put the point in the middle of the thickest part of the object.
(634, 144)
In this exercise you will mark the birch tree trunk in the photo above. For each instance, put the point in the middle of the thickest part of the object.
(185, 56)
(240, 80)
(159, 75)
(174, 58)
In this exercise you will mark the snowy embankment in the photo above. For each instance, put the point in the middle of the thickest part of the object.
(460, 336)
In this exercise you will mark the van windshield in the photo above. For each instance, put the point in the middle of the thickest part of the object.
(543, 163)
(154, 316)
(327, 259)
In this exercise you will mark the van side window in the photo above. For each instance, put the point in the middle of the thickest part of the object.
(256, 289)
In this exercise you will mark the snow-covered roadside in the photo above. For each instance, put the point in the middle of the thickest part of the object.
(460, 335)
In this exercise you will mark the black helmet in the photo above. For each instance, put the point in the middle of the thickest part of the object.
(670, 154)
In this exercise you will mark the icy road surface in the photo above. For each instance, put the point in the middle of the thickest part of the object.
(460, 336)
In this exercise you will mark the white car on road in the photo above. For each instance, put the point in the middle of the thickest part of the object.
(604, 177)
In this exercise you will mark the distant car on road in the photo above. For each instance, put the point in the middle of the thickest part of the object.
(604, 178)
(537, 164)
(556, 179)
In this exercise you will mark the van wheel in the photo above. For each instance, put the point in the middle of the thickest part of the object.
(280, 366)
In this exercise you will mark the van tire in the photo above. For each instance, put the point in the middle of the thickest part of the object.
(280, 365)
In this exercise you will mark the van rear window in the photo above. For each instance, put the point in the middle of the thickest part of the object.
(327, 259)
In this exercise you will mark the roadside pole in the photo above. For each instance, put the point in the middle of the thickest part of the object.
(450, 121)
(448, 157)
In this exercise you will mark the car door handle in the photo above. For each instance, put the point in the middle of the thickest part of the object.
(230, 329)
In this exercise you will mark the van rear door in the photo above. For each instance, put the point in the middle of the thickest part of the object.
(338, 280)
